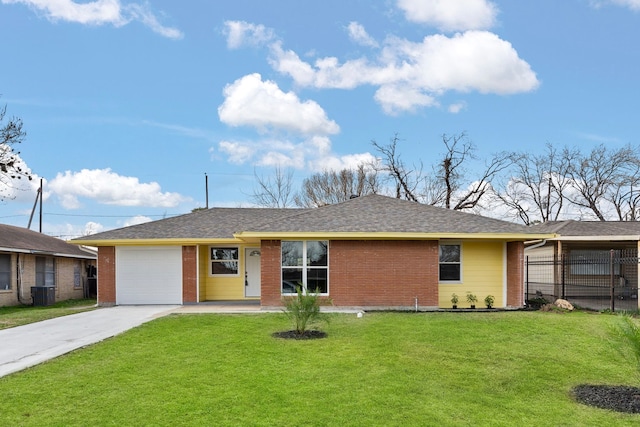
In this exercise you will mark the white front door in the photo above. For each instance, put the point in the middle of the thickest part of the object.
(252, 272)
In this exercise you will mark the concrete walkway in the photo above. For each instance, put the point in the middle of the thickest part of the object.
(28, 345)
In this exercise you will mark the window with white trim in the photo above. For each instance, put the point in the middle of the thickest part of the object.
(450, 265)
(224, 261)
(305, 266)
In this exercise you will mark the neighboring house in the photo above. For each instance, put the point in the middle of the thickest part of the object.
(29, 259)
(585, 259)
(371, 252)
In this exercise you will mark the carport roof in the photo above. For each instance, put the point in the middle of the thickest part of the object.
(371, 215)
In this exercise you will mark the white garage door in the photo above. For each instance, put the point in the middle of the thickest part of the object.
(149, 275)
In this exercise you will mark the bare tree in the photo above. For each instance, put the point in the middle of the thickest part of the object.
(331, 187)
(598, 176)
(274, 191)
(11, 134)
(450, 185)
(537, 189)
(461, 192)
(408, 181)
(624, 194)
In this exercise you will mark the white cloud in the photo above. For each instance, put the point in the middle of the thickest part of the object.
(358, 34)
(631, 4)
(109, 188)
(249, 101)
(238, 152)
(100, 12)
(451, 15)
(412, 74)
(457, 107)
(241, 33)
(138, 219)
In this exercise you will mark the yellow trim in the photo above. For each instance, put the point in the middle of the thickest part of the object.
(350, 235)
(254, 237)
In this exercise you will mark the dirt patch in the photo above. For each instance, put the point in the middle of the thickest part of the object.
(615, 398)
(294, 335)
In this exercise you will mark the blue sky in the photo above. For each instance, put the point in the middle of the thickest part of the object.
(128, 104)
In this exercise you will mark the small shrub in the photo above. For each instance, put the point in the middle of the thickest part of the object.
(472, 299)
(303, 310)
(489, 300)
(454, 299)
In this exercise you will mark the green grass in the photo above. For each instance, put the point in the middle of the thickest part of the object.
(23, 314)
(387, 369)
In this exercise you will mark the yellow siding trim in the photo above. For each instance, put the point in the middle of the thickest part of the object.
(221, 288)
(482, 274)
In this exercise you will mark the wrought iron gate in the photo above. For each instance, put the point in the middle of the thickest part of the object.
(593, 279)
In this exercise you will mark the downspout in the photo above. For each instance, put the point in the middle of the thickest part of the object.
(537, 245)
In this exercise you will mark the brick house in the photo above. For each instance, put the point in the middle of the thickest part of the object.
(29, 259)
(370, 252)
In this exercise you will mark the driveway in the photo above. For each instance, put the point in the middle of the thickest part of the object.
(28, 345)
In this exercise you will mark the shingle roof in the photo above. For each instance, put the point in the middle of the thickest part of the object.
(375, 213)
(367, 214)
(17, 239)
(214, 223)
(590, 228)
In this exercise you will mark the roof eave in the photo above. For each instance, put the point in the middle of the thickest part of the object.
(153, 242)
(350, 235)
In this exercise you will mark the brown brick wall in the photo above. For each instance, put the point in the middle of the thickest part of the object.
(367, 273)
(270, 275)
(383, 273)
(106, 275)
(189, 274)
(515, 274)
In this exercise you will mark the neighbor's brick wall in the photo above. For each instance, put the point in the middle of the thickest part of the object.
(515, 274)
(106, 275)
(189, 274)
(65, 288)
(367, 273)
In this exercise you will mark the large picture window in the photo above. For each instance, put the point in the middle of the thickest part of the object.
(5, 272)
(450, 262)
(305, 266)
(224, 261)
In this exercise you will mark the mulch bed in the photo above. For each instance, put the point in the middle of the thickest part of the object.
(294, 335)
(615, 398)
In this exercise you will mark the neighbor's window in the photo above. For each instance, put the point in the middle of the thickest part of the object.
(224, 261)
(5, 272)
(77, 274)
(305, 266)
(45, 271)
(450, 265)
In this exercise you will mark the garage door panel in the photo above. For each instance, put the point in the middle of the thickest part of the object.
(149, 275)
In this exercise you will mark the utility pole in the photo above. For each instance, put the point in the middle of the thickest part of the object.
(33, 210)
(40, 205)
(206, 188)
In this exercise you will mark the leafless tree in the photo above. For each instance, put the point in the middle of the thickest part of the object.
(537, 189)
(408, 181)
(274, 191)
(461, 191)
(600, 177)
(11, 167)
(450, 185)
(331, 187)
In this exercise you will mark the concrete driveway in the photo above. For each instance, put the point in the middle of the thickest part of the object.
(28, 345)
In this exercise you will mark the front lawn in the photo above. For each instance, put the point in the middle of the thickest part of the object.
(402, 369)
(24, 314)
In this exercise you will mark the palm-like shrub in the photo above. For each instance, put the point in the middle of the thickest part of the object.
(304, 310)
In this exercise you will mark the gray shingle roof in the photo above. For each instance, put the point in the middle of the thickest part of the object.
(367, 214)
(375, 213)
(590, 228)
(17, 239)
(215, 223)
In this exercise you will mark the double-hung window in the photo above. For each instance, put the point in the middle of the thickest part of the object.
(450, 265)
(224, 261)
(5, 272)
(45, 271)
(305, 266)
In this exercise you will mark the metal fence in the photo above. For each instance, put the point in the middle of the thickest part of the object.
(593, 279)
